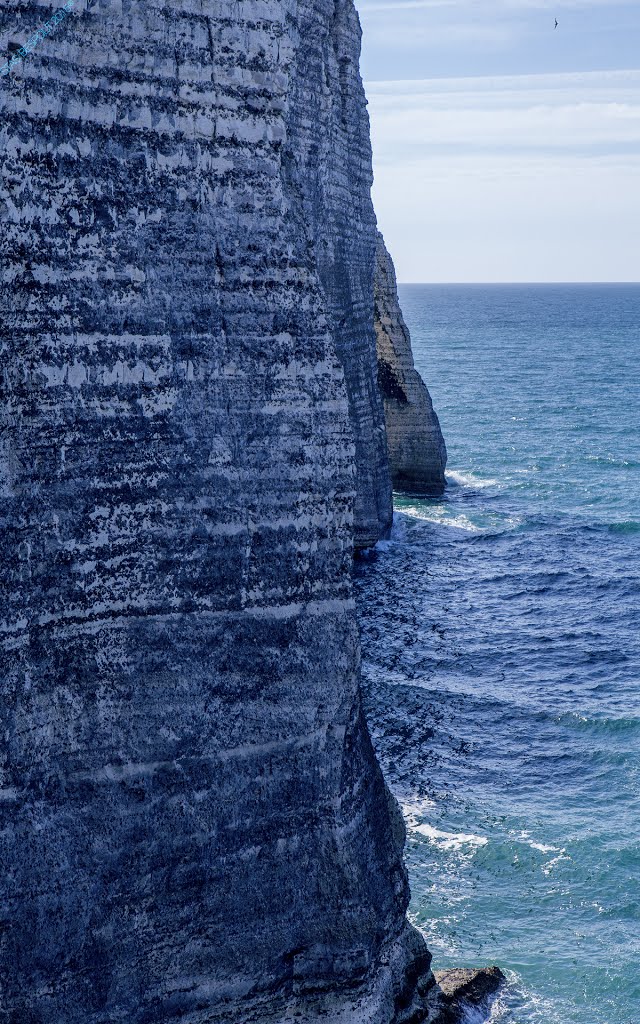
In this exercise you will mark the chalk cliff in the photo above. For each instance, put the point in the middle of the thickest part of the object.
(331, 170)
(417, 452)
(193, 823)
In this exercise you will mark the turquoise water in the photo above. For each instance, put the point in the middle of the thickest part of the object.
(501, 646)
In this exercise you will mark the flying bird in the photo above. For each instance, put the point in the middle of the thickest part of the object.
(556, 24)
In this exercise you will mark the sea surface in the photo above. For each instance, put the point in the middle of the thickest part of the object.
(501, 647)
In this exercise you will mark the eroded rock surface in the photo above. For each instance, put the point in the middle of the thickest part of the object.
(417, 452)
(461, 996)
(193, 823)
(334, 174)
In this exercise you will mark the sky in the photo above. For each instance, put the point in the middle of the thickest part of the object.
(505, 149)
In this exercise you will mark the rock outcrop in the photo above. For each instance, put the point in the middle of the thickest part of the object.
(461, 996)
(417, 452)
(194, 825)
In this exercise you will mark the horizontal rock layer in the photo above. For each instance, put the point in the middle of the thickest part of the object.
(193, 824)
(417, 452)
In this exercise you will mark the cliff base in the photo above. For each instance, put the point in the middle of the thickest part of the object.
(459, 995)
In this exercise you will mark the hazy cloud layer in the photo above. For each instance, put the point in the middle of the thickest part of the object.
(495, 174)
(525, 112)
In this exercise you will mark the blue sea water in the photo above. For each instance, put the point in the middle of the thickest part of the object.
(501, 647)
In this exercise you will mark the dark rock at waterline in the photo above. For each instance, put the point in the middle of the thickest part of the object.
(457, 992)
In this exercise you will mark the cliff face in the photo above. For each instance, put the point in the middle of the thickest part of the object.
(417, 452)
(193, 824)
(328, 166)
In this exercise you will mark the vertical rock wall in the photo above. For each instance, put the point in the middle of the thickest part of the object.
(330, 169)
(193, 824)
(417, 452)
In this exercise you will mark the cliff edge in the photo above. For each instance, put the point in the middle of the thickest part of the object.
(193, 823)
(417, 452)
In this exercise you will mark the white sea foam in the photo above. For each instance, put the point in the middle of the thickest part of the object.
(449, 517)
(441, 516)
(399, 528)
(516, 1002)
(414, 807)
(542, 847)
(458, 479)
(473, 1015)
(549, 866)
(449, 840)
(477, 1015)
(385, 545)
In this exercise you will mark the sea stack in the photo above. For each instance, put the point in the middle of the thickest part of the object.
(194, 825)
(417, 452)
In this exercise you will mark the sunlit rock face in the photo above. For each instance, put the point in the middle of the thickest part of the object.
(417, 452)
(194, 826)
(336, 157)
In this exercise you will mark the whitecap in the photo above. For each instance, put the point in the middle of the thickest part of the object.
(441, 516)
(449, 840)
(544, 847)
(414, 807)
(380, 546)
(458, 479)
(473, 1014)
(446, 516)
(516, 1001)
(549, 866)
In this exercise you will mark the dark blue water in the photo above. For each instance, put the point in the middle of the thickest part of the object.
(501, 645)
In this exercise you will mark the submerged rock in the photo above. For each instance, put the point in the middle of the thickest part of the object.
(417, 452)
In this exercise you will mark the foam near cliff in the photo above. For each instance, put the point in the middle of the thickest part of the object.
(417, 452)
(192, 815)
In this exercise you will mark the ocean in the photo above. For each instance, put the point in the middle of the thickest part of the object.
(501, 647)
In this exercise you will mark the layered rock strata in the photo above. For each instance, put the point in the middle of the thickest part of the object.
(194, 825)
(417, 452)
(329, 167)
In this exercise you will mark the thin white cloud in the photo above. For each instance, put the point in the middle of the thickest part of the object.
(515, 177)
(494, 26)
(507, 176)
(494, 35)
(403, 5)
(512, 218)
(373, 7)
(546, 111)
(555, 80)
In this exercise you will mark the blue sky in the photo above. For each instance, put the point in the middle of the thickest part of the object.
(505, 150)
